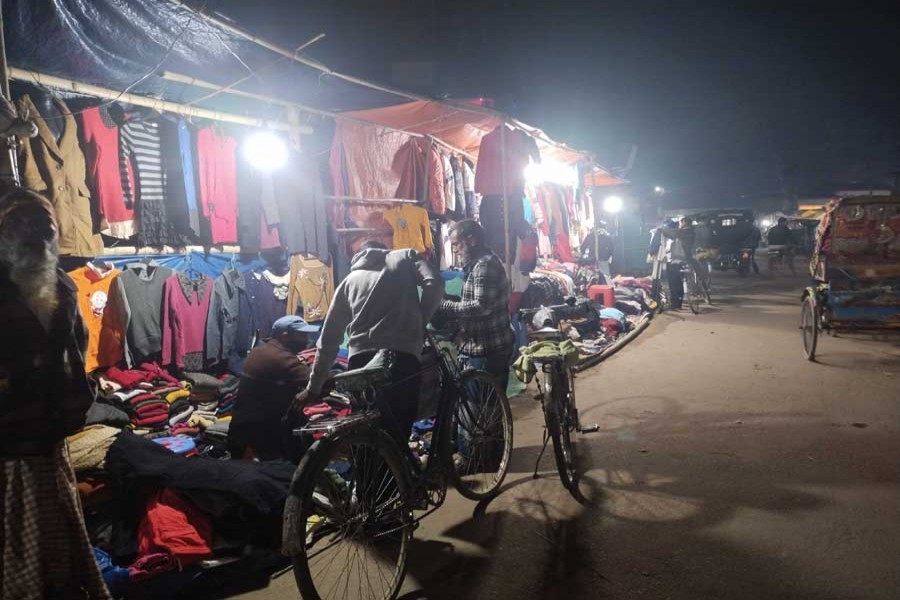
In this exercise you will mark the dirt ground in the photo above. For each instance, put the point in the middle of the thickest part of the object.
(726, 466)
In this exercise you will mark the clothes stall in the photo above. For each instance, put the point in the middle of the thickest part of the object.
(185, 245)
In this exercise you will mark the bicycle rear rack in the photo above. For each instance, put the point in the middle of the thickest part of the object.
(332, 426)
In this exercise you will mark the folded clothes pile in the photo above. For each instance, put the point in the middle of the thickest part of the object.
(149, 410)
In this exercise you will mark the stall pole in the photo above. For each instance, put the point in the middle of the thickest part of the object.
(9, 170)
(596, 235)
(161, 105)
(507, 261)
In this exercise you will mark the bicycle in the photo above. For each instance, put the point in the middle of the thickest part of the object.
(556, 392)
(779, 256)
(694, 291)
(349, 519)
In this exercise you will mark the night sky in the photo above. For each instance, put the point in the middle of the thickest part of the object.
(721, 98)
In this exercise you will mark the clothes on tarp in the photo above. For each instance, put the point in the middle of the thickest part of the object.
(140, 153)
(258, 213)
(302, 218)
(217, 173)
(185, 309)
(261, 486)
(101, 413)
(88, 447)
(410, 226)
(186, 143)
(100, 136)
(519, 149)
(311, 288)
(57, 170)
(223, 316)
(117, 578)
(143, 284)
(174, 526)
(179, 208)
(101, 300)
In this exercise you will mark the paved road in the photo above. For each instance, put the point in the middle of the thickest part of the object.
(727, 467)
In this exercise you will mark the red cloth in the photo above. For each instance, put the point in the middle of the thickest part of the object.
(159, 373)
(217, 171)
(612, 327)
(173, 525)
(564, 248)
(489, 172)
(152, 565)
(127, 379)
(153, 410)
(142, 398)
(101, 152)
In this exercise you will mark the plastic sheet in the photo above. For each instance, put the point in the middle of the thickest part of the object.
(112, 43)
(211, 265)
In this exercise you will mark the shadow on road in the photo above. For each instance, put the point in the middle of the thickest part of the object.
(655, 494)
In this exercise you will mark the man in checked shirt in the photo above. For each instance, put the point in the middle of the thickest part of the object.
(482, 313)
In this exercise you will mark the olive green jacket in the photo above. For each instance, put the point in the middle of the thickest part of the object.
(57, 170)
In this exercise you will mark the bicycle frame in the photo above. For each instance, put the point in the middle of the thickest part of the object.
(369, 415)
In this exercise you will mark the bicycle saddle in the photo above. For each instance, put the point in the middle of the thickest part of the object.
(376, 372)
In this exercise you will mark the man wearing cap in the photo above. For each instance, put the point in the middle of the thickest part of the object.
(270, 378)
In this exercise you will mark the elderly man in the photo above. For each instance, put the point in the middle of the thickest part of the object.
(44, 396)
(488, 340)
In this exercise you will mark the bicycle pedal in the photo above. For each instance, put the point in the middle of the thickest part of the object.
(590, 429)
(538, 397)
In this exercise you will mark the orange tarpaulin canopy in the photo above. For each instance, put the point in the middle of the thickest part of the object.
(460, 124)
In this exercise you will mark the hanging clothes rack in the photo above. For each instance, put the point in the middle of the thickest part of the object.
(154, 103)
(353, 199)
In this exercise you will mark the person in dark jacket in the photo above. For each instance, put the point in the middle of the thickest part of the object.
(44, 397)
(680, 252)
(271, 377)
(780, 234)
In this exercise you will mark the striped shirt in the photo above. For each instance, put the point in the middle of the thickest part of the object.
(140, 149)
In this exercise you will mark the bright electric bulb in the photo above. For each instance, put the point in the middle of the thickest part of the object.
(265, 151)
(612, 204)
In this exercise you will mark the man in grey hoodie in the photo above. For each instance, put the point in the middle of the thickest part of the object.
(378, 306)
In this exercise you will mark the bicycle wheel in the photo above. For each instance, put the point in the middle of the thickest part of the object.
(559, 415)
(692, 291)
(479, 436)
(353, 518)
(809, 326)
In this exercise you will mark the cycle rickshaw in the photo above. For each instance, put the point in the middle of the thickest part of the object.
(855, 269)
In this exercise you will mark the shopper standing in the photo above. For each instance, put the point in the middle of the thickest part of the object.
(379, 308)
(482, 312)
(44, 396)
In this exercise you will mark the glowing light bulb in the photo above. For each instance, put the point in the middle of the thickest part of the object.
(265, 151)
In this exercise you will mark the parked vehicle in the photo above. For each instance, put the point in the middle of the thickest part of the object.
(855, 269)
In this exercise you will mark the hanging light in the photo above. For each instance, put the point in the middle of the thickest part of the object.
(265, 151)
(659, 189)
(612, 204)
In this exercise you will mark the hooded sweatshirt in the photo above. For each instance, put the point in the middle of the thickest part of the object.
(378, 306)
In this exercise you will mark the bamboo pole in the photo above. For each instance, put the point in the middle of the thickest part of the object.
(506, 241)
(154, 103)
(314, 64)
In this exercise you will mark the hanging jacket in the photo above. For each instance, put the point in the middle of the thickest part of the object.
(57, 170)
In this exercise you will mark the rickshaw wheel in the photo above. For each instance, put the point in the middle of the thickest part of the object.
(809, 328)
